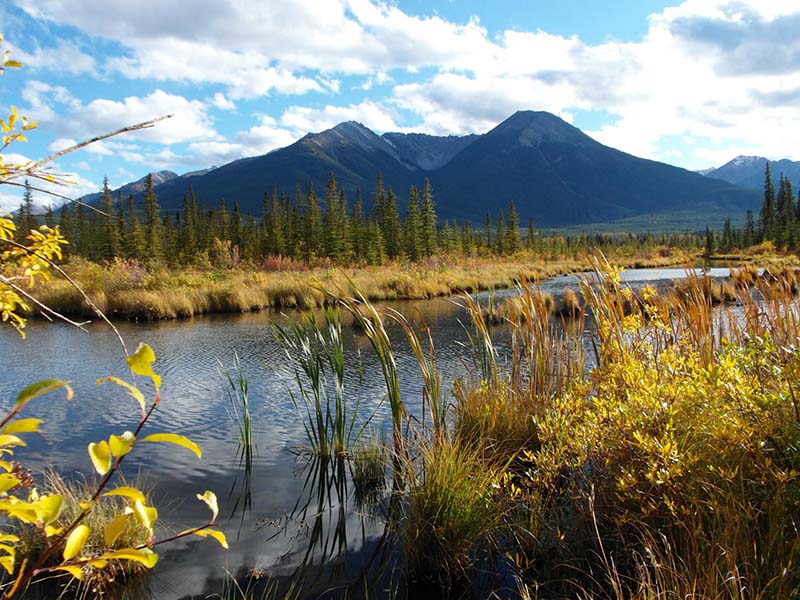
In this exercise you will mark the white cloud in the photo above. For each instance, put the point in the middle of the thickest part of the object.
(62, 58)
(724, 72)
(371, 114)
(221, 102)
(73, 185)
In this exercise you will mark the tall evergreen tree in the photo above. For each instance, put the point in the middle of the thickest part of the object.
(412, 230)
(152, 221)
(766, 218)
(512, 244)
(428, 219)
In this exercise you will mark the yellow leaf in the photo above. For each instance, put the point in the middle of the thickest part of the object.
(5, 465)
(213, 533)
(120, 445)
(142, 361)
(101, 456)
(22, 426)
(10, 441)
(146, 515)
(113, 529)
(127, 492)
(50, 531)
(7, 562)
(174, 438)
(133, 391)
(7, 481)
(42, 387)
(99, 563)
(145, 556)
(76, 572)
(76, 541)
(210, 498)
(9, 537)
(48, 508)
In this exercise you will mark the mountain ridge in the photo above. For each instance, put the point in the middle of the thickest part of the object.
(554, 172)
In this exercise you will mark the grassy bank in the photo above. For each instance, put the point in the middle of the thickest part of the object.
(130, 290)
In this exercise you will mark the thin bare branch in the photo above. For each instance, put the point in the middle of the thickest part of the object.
(67, 198)
(145, 125)
(47, 311)
(72, 282)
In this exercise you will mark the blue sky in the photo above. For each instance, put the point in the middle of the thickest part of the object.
(691, 83)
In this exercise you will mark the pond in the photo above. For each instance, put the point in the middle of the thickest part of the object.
(277, 517)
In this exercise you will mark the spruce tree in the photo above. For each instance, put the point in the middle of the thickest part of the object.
(766, 218)
(512, 244)
(412, 229)
(428, 219)
(152, 221)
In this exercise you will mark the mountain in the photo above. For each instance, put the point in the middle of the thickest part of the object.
(427, 152)
(560, 176)
(136, 187)
(352, 152)
(552, 171)
(748, 171)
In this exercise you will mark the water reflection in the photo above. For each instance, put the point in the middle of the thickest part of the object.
(333, 535)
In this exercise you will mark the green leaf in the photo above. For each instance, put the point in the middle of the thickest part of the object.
(174, 438)
(120, 445)
(127, 492)
(23, 426)
(133, 391)
(210, 498)
(100, 454)
(114, 529)
(142, 361)
(40, 388)
(76, 541)
(212, 533)
(145, 556)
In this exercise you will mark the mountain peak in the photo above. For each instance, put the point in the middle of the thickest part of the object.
(532, 127)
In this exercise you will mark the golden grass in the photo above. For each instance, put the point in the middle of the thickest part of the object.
(129, 290)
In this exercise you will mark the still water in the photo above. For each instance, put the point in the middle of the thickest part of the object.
(289, 522)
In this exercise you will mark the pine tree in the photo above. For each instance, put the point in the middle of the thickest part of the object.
(313, 225)
(236, 226)
(359, 228)
(111, 238)
(749, 233)
(529, 239)
(26, 222)
(500, 235)
(412, 229)
(152, 221)
(428, 219)
(766, 218)
(512, 244)
(137, 243)
(391, 230)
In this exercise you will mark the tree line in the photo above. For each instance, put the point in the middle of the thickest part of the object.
(778, 221)
(303, 227)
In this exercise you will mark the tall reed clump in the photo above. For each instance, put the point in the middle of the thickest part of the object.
(367, 317)
(237, 392)
(432, 394)
(450, 511)
(317, 351)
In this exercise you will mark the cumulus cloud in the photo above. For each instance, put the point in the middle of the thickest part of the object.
(725, 73)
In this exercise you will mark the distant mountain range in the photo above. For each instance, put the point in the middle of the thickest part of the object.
(748, 172)
(551, 170)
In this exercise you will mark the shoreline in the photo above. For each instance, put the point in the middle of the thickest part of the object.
(129, 291)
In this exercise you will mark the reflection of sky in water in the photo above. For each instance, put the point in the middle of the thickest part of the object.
(194, 404)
